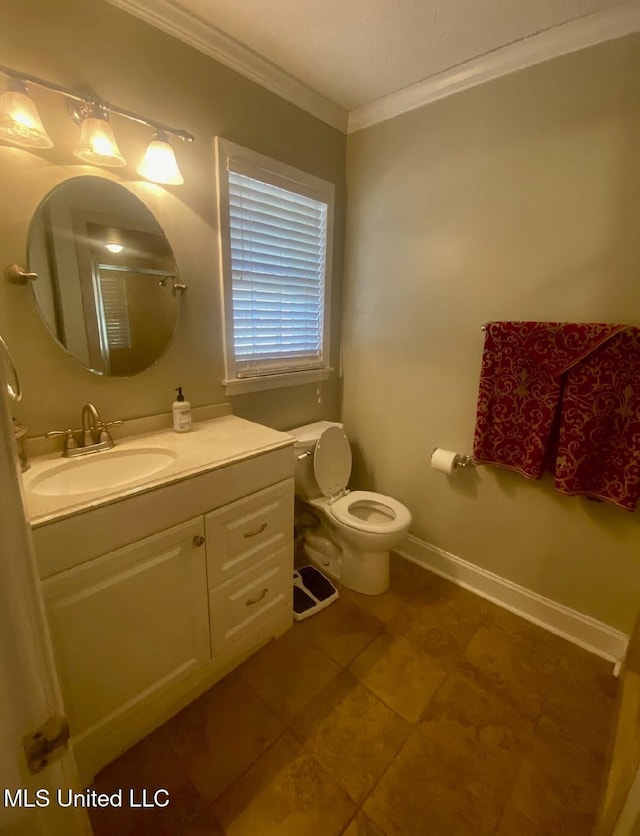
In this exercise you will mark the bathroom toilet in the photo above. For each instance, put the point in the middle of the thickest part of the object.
(357, 528)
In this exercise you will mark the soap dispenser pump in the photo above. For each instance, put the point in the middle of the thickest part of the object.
(181, 413)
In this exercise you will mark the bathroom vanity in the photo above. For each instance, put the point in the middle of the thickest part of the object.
(159, 584)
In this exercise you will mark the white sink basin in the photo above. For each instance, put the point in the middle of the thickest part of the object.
(101, 471)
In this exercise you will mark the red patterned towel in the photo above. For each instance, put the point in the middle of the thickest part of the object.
(521, 387)
(598, 450)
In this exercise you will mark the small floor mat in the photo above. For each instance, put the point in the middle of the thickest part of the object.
(312, 592)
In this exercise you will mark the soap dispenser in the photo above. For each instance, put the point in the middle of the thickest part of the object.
(181, 413)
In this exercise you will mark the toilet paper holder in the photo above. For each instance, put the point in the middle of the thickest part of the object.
(461, 462)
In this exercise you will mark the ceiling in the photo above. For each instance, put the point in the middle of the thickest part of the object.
(355, 52)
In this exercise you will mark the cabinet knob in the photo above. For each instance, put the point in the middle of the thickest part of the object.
(198, 540)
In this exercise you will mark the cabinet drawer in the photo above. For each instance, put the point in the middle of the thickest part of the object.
(264, 629)
(241, 534)
(238, 606)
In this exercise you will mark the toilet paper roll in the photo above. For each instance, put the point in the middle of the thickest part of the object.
(446, 461)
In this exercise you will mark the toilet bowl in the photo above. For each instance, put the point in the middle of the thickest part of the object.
(362, 525)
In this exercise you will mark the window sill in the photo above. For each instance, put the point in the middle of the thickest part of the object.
(242, 385)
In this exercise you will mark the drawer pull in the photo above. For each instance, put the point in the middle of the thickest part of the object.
(257, 599)
(257, 531)
(198, 540)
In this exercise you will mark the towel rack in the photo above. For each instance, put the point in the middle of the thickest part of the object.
(485, 326)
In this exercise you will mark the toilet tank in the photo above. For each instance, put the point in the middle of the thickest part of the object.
(306, 439)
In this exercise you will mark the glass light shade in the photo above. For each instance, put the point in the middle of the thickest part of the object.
(159, 162)
(114, 248)
(97, 142)
(20, 121)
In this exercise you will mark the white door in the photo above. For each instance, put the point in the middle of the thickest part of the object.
(29, 693)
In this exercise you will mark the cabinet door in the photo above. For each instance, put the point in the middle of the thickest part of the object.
(128, 627)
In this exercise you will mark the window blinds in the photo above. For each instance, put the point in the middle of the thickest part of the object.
(278, 261)
(115, 331)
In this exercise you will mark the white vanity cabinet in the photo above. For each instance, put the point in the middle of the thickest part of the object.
(153, 597)
(127, 628)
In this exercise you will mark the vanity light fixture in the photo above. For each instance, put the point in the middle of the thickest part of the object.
(20, 121)
(159, 162)
(97, 141)
(20, 124)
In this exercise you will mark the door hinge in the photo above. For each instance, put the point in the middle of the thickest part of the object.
(46, 744)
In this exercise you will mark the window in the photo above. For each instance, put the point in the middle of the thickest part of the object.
(276, 230)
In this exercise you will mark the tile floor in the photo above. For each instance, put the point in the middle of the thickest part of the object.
(423, 711)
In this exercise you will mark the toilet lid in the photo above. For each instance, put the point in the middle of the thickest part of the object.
(332, 461)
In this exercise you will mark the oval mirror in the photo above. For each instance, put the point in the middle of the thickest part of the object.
(107, 287)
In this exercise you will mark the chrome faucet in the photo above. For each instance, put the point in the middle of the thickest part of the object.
(91, 424)
(95, 435)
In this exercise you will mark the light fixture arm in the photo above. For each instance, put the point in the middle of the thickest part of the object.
(89, 99)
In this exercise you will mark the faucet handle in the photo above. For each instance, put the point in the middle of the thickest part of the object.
(56, 433)
(70, 442)
(102, 431)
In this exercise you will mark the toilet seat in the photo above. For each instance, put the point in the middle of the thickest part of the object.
(369, 511)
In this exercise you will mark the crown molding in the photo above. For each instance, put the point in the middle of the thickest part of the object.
(560, 40)
(211, 41)
(551, 43)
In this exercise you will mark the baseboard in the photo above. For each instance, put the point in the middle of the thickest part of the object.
(587, 632)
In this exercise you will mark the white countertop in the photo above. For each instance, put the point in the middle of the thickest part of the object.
(209, 445)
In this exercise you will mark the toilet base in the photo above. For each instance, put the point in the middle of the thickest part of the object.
(324, 554)
(362, 571)
(365, 572)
